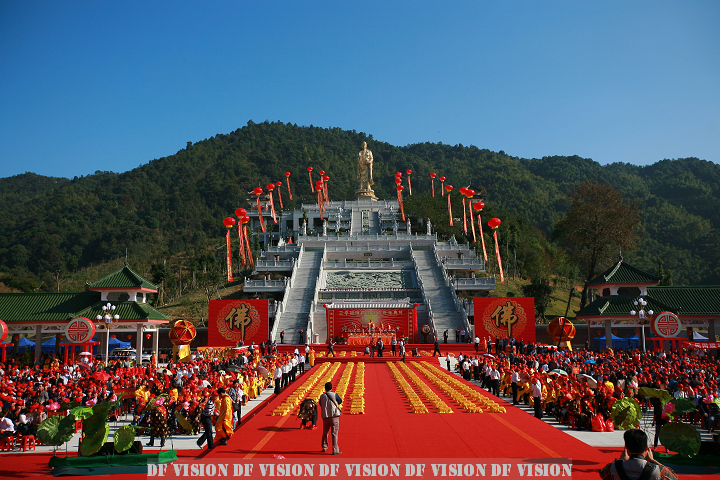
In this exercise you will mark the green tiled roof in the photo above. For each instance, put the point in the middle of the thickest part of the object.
(126, 311)
(699, 300)
(622, 273)
(18, 307)
(620, 306)
(123, 278)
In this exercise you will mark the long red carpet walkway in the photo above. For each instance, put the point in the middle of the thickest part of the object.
(388, 429)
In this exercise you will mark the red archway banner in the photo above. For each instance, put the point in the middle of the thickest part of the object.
(403, 319)
(505, 317)
(232, 321)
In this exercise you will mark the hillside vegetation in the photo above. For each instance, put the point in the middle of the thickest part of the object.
(165, 216)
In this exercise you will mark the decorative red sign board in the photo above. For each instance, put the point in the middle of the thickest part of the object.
(505, 317)
(233, 321)
(3, 331)
(80, 330)
(401, 319)
(666, 325)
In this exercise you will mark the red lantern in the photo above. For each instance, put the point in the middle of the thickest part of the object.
(182, 333)
(463, 192)
(561, 329)
(398, 181)
(400, 188)
(321, 172)
(478, 206)
(271, 187)
(408, 172)
(129, 337)
(310, 169)
(147, 335)
(615, 332)
(259, 191)
(287, 178)
(433, 175)
(494, 223)
(448, 188)
(228, 222)
(279, 184)
(326, 179)
(245, 220)
(113, 336)
(240, 212)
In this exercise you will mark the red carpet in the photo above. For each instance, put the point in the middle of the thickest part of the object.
(389, 430)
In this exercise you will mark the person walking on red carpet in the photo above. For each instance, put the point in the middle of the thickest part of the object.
(223, 424)
(330, 413)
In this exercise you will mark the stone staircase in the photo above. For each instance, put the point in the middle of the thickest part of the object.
(300, 296)
(444, 312)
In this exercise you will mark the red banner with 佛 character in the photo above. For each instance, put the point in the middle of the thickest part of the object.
(401, 320)
(505, 317)
(233, 321)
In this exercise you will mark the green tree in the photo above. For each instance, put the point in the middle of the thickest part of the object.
(542, 292)
(599, 223)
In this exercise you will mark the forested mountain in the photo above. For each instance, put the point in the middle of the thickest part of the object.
(174, 205)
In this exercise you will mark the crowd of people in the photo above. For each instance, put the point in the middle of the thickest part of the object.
(580, 387)
(208, 390)
(575, 387)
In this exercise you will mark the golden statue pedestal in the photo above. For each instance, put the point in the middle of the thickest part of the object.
(366, 195)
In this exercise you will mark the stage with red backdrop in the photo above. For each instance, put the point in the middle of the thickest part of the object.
(231, 321)
(401, 319)
(505, 317)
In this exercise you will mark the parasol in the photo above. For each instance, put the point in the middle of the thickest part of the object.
(86, 353)
(84, 366)
(261, 370)
(591, 362)
(489, 355)
(559, 371)
(269, 356)
(101, 376)
(591, 382)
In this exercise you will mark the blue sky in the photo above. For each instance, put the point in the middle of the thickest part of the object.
(88, 86)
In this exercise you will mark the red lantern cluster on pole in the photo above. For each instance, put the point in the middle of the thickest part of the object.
(229, 222)
(432, 180)
(478, 207)
(448, 189)
(494, 223)
(287, 178)
(409, 183)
